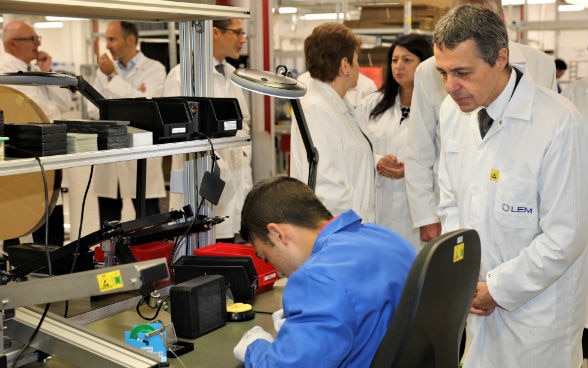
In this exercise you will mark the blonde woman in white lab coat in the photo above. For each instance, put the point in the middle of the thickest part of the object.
(384, 119)
(346, 168)
(523, 187)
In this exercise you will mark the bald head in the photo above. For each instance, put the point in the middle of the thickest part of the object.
(20, 40)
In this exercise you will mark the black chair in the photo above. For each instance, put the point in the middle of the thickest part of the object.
(427, 327)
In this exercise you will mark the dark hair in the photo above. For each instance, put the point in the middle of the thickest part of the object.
(416, 44)
(470, 22)
(560, 64)
(280, 199)
(326, 46)
(222, 23)
(129, 29)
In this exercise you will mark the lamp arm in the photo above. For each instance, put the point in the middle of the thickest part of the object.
(311, 151)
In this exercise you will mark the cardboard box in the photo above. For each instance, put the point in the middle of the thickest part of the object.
(423, 17)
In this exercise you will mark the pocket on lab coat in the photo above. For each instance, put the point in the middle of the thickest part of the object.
(516, 202)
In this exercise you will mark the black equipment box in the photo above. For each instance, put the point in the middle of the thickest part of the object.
(198, 306)
(167, 121)
(213, 117)
(175, 119)
(239, 273)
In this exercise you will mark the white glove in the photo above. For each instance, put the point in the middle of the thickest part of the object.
(278, 318)
(255, 333)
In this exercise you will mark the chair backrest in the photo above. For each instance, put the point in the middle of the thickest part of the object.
(429, 321)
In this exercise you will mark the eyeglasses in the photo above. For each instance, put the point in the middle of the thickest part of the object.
(236, 32)
(33, 39)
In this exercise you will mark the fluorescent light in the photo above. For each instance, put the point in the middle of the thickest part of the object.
(570, 8)
(59, 19)
(287, 10)
(48, 25)
(323, 16)
(512, 2)
(530, 2)
(578, 2)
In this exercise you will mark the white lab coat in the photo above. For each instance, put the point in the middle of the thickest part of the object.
(422, 155)
(577, 92)
(53, 100)
(523, 188)
(151, 73)
(234, 163)
(388, 136)
(346, 168)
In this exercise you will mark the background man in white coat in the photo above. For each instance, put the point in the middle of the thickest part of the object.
(577, 92)
(228, 37)
(21, 53)
(517, 177)
(21, 48)
(422, 152)
(132, 75)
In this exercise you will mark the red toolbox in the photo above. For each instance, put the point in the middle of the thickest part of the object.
(266, 273)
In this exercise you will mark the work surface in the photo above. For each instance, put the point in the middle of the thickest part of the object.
(212, 350)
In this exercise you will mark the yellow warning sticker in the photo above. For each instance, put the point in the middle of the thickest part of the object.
(110, 281)
(458, 252)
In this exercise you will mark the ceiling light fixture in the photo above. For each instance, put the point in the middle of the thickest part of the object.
(287, 10)
(570, 8)
(60, 19)
(48, 25)
(323, 16)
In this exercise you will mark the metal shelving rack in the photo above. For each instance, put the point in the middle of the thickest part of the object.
(195, 39)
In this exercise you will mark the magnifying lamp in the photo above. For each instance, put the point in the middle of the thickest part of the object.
(281, 84)
(64, 80)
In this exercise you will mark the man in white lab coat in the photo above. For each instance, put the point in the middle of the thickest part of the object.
(228, 38)
(21, 47)
(132, 74)
(422, 152)
(522, 186)
(21, 54)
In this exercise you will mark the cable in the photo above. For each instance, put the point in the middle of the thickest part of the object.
(30, 340)
(46, 192)
(82, 219)
(142, 301)
(73, 264)
(179, 239)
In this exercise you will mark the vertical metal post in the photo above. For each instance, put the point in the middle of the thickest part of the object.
(196, 69)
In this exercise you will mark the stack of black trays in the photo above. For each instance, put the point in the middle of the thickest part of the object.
(35, 140)
(111, 133)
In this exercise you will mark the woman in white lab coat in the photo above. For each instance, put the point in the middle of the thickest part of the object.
(383, 117)
(346, 169)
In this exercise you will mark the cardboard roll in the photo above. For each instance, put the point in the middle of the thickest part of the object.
(23, 196)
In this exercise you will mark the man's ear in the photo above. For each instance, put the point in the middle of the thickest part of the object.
(502, 59)
(277, 231)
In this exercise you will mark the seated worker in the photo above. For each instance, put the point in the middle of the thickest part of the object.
(345, 279)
